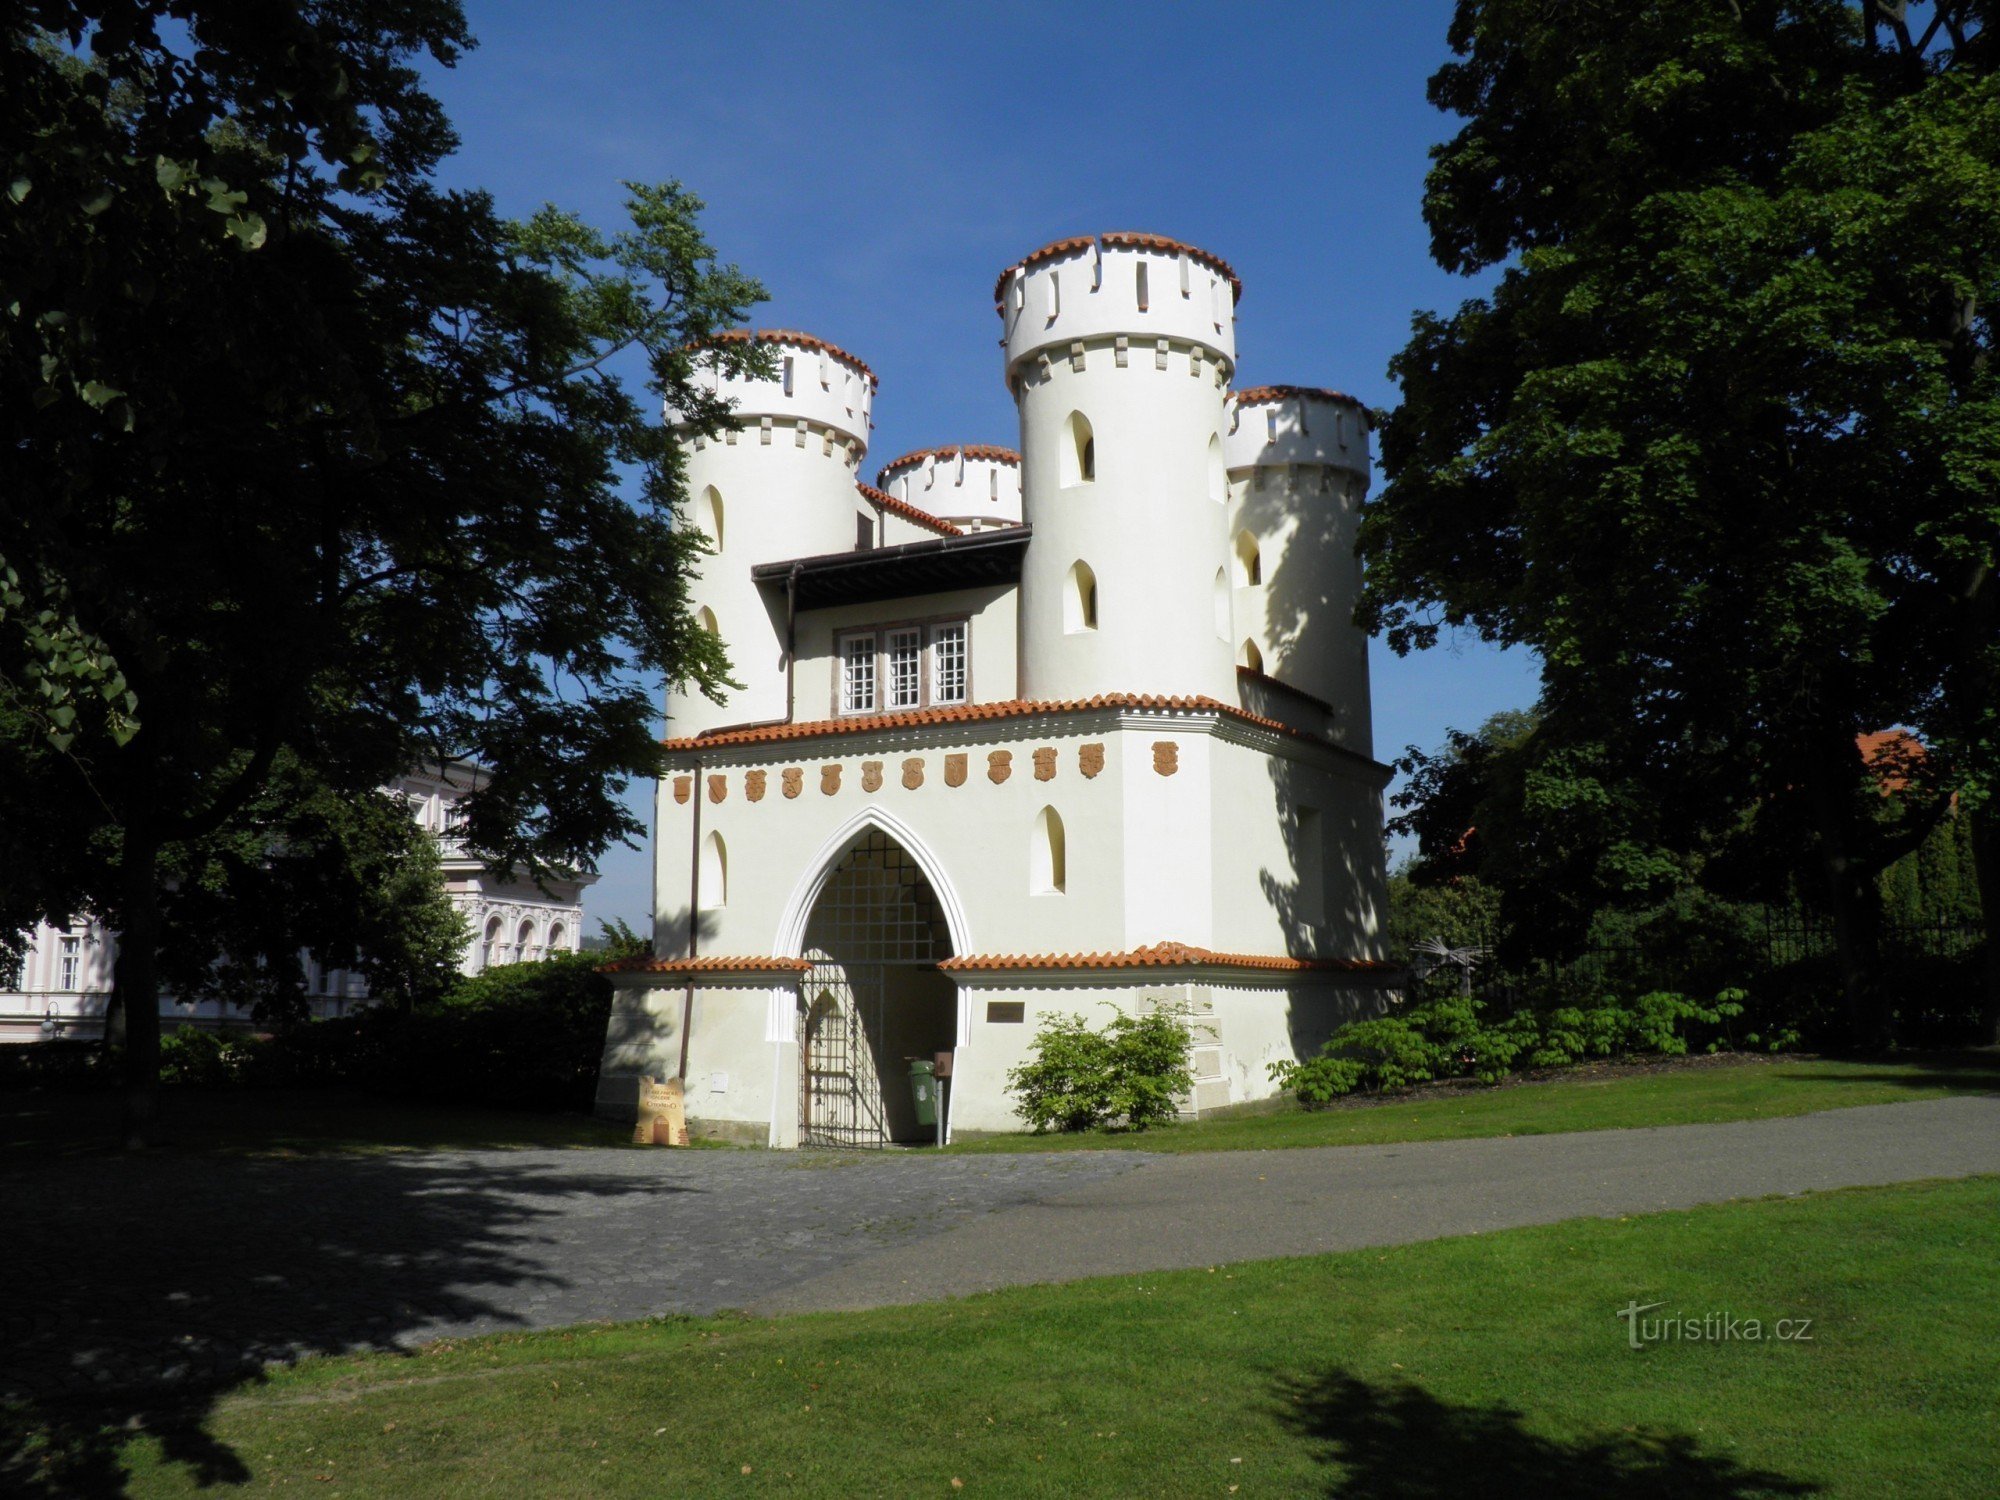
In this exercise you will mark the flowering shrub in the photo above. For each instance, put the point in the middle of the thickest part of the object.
(1134, 1071)
(1450, 1038)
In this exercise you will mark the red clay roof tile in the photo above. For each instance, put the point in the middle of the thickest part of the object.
(907, 511)
(1166, 955)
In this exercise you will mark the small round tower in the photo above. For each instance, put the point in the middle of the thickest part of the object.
(1298, 469)
(777, 482)
(1119, 348)
(972, 485)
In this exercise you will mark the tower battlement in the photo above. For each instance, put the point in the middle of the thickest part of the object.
(814, 383)
(1273, 425)
(1158, 295)
(963, 483)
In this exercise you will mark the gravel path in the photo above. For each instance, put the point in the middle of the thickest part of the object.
(195, 1271)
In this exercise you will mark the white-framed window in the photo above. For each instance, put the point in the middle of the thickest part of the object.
(895, 668)
(948, 663)
(905, 662)
(69, 963)
(857, 674)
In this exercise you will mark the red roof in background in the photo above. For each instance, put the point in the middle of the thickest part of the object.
(1893, 755)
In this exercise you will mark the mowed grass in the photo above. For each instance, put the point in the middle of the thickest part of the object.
(1492, 1365)
(1601, 1097)
(286, 1122)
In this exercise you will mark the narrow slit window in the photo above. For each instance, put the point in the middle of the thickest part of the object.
(1055, 295)
(857, 689)
(906, 658)
(788, 374)
(1218, 475)
(1145, 293)
(948, 664)
(1048, 862)
(714, 872)
(1220, 596)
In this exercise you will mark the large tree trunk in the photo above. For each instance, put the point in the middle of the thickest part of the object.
(1986, 864)
(136, 984)
(1848, 887)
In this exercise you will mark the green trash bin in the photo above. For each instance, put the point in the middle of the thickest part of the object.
(923, 1090)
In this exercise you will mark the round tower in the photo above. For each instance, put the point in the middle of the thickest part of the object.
(1119, 348)
(1298, 469)
(777, 482)
(972, 485)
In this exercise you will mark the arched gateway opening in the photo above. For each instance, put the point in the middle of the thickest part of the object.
(873, 998)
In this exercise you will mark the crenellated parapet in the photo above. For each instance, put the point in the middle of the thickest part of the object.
(972, 485)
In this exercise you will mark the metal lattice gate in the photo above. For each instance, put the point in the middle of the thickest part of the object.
(877, 913)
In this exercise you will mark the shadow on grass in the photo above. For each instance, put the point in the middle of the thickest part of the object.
(1970, 1071)
(1398, 1442)
(143, 1288)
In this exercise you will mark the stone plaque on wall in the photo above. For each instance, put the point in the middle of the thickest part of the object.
(999, 766)
(829, 779)
(954, 770)
(793, 778)
(913, 773)
(871, 776)
(1045, 763)
(1090, 760)
(683, 788)
(753, 785)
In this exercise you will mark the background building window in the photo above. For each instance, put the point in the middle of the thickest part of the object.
(70, 963)
(857, 680)
(906, 668)
(948, 664)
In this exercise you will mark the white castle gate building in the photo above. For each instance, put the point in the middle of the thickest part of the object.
(1078, 728)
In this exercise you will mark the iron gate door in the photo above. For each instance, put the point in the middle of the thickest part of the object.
(876, 913)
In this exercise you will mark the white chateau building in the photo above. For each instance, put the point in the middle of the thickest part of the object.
(64, 978)
(1082, 728)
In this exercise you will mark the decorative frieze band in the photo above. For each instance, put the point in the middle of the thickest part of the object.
(913, 770)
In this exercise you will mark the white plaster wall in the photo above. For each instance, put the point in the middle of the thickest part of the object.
(786, 475)
(1148, 526)
(1298, 470)
(990, 615)
(1258, 862)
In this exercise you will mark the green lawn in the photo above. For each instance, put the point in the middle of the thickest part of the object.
(1490, 1365)
(1606, 1097)
(286, 1122)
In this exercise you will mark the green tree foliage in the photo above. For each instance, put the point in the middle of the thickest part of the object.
(308, 458)
(1722, 442)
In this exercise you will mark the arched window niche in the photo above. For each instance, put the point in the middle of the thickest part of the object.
(705, 619)
(496, 949)
(1048, 855)
(708, 515)
(1219, 597)
(1251, 657)
(1249, 560)
(1080, 599)
(1218, 476)
(524, 943)
(1078, 458)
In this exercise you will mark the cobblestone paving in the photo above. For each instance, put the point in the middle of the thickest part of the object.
(197, 1271)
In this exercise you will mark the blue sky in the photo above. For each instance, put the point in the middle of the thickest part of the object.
(875, 165)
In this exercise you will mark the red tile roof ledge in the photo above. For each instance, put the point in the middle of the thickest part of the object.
(907, 511)
(1127, 239)
(966, 713)
(1167, 956)
(1259, 395)
(706, 964)
(797, 340)
(977, 452)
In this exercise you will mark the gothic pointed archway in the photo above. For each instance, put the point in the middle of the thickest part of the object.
(873, 998)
